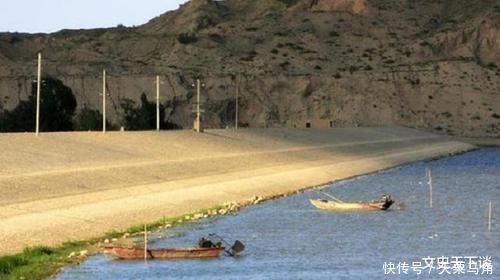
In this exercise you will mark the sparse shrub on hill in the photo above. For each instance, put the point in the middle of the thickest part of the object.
(136, 117)
(288, 2)
(88, 119)
(143, 116)
(57, 107)
(20, 119)
(187, 38)
(334, 34)
(492, 65)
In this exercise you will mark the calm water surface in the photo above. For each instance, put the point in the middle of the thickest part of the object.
(290, 239)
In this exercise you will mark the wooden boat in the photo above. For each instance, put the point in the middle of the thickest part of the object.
(210, 247)
(185, 253)
(347, 207)
(341, 206)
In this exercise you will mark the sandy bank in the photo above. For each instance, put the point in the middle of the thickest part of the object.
(68, 186)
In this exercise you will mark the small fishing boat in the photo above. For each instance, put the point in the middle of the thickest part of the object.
(208, 247)
(185, 253)
(341, 206)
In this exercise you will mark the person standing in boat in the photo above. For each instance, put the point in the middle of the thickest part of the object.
(387, 201)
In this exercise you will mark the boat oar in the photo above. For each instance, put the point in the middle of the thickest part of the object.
(330, 196)
(145, 243)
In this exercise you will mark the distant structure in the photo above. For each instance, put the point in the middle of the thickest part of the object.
(197, 126)
(314, 123)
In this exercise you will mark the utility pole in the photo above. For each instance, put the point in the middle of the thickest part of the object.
(237, 102)
(198, 120)
(429, 172)
(489, 218)
(145, 243)
(38, 91)
(157, 103)
(104, 101)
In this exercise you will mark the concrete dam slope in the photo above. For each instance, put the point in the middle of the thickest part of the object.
(73, 186)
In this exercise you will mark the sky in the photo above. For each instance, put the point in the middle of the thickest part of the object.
(46, 16)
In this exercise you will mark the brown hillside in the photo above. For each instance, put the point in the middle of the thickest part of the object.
(429, 64)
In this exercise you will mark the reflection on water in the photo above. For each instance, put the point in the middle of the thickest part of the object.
(290, 239)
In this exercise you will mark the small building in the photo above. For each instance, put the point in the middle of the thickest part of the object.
(318, 123)
(195, 125)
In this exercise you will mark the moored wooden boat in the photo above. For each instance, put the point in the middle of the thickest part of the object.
(184, 253)
(348, 207)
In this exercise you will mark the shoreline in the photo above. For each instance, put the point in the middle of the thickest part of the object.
(480, 142)
(230, 208)
(274, 167)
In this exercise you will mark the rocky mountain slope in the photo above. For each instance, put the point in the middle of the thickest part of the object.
(417, 63)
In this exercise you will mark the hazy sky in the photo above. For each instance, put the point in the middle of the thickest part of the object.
(53, 15)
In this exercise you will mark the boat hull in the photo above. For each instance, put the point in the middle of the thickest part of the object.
(347, 207)
(188, 253)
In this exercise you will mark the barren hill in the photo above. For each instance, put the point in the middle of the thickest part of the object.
(417, 63)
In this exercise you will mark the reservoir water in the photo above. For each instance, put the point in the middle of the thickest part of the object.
(290, 239)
